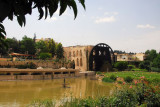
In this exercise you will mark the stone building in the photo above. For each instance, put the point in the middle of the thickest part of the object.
(130, 57)
(89, 57)
(78, 54)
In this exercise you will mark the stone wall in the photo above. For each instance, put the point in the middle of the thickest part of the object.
(78, 54)
(44, 64)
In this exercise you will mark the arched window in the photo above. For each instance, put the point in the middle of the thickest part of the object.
(77, 62)
(73, 53)
(77, 53)
(80, 52)
(69, 54)
(81, 64)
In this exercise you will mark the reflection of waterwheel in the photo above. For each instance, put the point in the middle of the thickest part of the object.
(100, 55)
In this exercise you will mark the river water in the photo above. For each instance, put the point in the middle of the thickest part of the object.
(21, 93)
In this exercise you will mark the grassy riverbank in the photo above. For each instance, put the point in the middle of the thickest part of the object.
(134, 74)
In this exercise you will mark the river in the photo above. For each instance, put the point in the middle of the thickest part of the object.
(21, 93)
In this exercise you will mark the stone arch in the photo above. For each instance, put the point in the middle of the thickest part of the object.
(81, 63)
(101, 54)
(77, 62)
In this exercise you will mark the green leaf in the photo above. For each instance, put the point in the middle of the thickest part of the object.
(72, 4)
(2, 31)
(2, 27)
(63, 6)
(41, 13)
(46, 12)
(19, 21)
(83, 3)
(53, 7)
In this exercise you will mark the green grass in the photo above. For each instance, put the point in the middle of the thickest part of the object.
(135, 74)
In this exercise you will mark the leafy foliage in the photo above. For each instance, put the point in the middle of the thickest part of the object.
(113, 77)
(44, 56)
(131, 67)
(128, 79)
(27, 46)
(30, 65)
(107, 79)
(145, 65)
(121, 65)
(20, 8)
(59, 51)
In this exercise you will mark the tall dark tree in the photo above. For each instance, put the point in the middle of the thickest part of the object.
(13, 45)
(52, 47)
(151, 55)
(3, 47)
(59, 51)
(27, 46)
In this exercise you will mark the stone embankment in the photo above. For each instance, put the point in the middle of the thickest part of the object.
(36, 74)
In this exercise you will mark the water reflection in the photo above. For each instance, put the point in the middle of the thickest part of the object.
(20, 93)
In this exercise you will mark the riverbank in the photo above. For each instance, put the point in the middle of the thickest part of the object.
(36, 74)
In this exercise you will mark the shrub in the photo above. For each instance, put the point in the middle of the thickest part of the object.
(119, 82)
(98, 72)
(114, 69)
(128, 79)
(44, 56)
(30, 65)
(131, 67)
(121, 65)
(113, 77)
(106, 79)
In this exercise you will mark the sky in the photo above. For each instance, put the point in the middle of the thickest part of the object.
(127, 25)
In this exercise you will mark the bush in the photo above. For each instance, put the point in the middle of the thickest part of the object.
(106, 79)
(45, 56)
(114, 69)
(128, 79)
(145, 65)
(119, 82)
(139, 70)
(30, 65)
(121, 65)
(131, 67)
(113, 77)
(99, 72)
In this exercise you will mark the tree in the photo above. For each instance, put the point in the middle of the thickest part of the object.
(41, 47)
(20, 8)
(145, 65)
(13, 45)
(156, 62)
(59, 51)
(3, 47)
(52, 47)
(151, 55)
(27, 46)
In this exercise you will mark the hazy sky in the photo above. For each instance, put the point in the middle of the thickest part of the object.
(127, 25)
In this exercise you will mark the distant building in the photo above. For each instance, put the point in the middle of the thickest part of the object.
(44, 39)
(130, 57)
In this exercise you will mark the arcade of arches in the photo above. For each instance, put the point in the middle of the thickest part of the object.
(89, 57)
